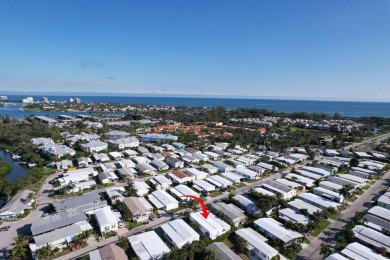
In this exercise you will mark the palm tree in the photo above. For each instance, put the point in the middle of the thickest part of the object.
(346, 192)
(241, 244)
(30, 196)
(56, 184)
(325, 250)
(123, 242)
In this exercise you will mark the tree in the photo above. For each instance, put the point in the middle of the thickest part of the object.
(241, 244)
(123, 242)
(21, 247)
(346, 192)
(382, 250)
(354, 162)
(30, 196)
(325, 250)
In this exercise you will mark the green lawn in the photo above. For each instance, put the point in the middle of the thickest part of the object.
(240, 185)
(226, 235)
(334, 216)
(352, 199)
(132, 225)
(323, 224)
(215, 193)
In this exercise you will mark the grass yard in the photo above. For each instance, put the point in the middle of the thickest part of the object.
(240, 185)
(225, 236)
(215, 193)
(323, 224)
(132, 225)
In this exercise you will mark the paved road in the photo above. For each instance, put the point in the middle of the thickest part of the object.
(369, 142)
(23, 226)
(329, 236)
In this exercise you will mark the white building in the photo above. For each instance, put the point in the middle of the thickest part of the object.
(94, 146)
(162, 200)
(212, 226)
(141, 187)
(257, 245)
(148, 245)
(161, 182)
(179, 233)
(275, 230)
(285, 192)
(288, 214)
(106, 220)
(246, 173)
(358, 251)
(181, 190)
(195, 173)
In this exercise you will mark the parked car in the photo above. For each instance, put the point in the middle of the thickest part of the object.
(6, 228)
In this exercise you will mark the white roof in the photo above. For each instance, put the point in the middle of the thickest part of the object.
(195, 172)
(300, 178)
(246, 172)
(288, 183)
(212, 222)
(220, 180)
(352, 178)
(160, 179)
(358, 251)
(331, 185)
(309, 174)
(372, 237)
(148, 245)
(292, 214)
(300, 204)
(161, 198)
(276, 229)
(321, 190)
(231, 176)
(336, 257)
(204, 185)
(141, 185)
(105, 216)
(318, 200)
(180, 232)
(181, 190)
(256, 240)
(264, 191)
(380, 212)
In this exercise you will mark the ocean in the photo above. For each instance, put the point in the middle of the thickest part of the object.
(345, 108)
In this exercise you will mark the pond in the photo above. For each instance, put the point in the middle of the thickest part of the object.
(17, 169)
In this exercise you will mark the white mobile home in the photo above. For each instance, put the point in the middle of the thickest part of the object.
(275, 230)
(212, 226)
(179, 233)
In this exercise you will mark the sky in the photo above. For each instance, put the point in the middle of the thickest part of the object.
(335, 50)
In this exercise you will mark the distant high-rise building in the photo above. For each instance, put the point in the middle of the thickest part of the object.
(77, 100)
(3, 97)
(71, 100)
(44, 99)
(28, 100)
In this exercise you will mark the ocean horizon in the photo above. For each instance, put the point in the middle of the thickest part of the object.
(344, 108)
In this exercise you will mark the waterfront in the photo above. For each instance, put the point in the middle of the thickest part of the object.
(345, 108)
(17, 169)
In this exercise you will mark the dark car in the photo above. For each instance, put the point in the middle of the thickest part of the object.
(6, 228)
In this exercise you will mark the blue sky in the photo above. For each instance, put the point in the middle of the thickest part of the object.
(296, 49)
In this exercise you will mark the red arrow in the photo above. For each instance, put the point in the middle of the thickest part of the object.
(205, 212)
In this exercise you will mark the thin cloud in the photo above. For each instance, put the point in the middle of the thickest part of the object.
(89, 63)
(111, 77)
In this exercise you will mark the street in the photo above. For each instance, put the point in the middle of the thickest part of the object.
(329, 235)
